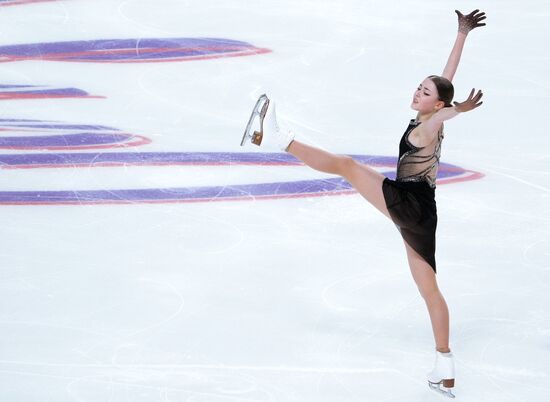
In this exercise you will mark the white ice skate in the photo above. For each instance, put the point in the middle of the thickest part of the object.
(442, 378)
(269, 134)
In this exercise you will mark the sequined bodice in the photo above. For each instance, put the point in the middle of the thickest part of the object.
(418, 164)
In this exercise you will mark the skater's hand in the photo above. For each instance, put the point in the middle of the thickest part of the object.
(469, 104)
(471, 21)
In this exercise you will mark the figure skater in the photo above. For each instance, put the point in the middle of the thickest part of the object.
(409, 201)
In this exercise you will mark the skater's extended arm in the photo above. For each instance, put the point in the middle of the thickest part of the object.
(465, 24)
(434, 122)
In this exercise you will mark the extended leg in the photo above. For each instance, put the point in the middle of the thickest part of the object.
(367, 181)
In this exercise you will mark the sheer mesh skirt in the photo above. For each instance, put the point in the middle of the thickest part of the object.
(413, 210)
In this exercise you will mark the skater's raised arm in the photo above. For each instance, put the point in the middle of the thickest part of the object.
(465, 24)
(473, 101)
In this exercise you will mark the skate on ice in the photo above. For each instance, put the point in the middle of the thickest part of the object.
(263, 129)
(442, 378)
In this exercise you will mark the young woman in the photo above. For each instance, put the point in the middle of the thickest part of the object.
(409, 201)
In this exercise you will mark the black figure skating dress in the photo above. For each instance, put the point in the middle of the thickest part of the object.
(410, 198)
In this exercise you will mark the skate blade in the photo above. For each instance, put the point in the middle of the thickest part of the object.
(260, 109)
(437, 387)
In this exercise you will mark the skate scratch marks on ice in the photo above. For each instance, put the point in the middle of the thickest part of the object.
(238, 192)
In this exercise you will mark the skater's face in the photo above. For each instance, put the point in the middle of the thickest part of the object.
(426, 98)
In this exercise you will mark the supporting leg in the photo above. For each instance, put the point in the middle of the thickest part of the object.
(426, 282)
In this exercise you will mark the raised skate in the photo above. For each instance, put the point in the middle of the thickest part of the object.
(260, 109)
(442, 378)
(268, 133)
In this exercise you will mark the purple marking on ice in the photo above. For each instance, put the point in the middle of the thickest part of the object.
(176, 53)
(186, 158)
(169, 158)
(68, 140)
(21, 120)
(125, 49)
(64, 126)
(445, 171)
(6, 3)
(36, 92)
(189, 194)
(54, 91)
(39, 49)
(302, 188)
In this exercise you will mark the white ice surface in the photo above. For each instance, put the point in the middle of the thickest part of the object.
(284, 300)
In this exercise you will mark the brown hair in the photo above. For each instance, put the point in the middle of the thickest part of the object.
(445, 89)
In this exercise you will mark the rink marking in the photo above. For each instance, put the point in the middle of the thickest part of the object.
(331, 186)
(29, 135)
(141, 50)
(15, 92)
(7, 3)
(29, 143)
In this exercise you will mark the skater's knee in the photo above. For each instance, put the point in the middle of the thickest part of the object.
(346, 166)
(428, 289)
(430, 294)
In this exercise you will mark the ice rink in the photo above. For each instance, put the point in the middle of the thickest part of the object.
(146, 256)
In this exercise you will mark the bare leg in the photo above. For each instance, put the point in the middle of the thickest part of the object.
(426, 281)
(367, 181)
